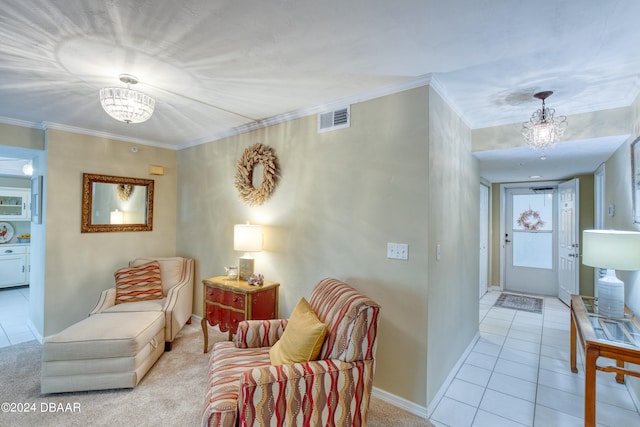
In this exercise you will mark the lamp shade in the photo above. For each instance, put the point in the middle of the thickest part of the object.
(611, 249)
(247, 237)
(116, 217)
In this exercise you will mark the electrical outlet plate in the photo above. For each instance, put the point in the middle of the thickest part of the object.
(398, 251)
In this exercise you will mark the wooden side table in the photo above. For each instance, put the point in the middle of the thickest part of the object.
(227, 302)
(600, 336)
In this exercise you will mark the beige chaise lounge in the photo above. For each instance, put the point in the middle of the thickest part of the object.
(109, 350)
(176, 304)
(118, 343)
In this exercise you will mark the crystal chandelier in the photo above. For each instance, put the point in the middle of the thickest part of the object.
(125, 104)
(543, 130)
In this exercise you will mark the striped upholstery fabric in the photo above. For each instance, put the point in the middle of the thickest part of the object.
(351, 319)
(246, 390)
(138, 283)
(316, 393)
(227, 364)
(259, 333)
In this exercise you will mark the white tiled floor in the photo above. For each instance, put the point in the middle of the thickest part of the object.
(13, 316)
(518, 375)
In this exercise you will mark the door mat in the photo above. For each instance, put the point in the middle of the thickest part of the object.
(519, 302)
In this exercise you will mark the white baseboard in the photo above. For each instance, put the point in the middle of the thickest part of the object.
(399, 402)
(452, 374)
(35, 331)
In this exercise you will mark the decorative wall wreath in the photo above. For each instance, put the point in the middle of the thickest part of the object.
(530, 220)
(264, 155)
(124, 191)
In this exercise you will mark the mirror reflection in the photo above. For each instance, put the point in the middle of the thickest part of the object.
(112, 203)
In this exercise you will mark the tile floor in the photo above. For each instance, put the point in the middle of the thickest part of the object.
(518, 375)
(14, 315)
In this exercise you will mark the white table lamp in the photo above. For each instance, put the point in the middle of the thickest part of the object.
(613, 250)
(247, 238)
(116, 217)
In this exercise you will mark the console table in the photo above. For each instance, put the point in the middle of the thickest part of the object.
(227, 302)
(617, 339)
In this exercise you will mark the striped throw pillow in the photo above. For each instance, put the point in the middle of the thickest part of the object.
(138, 283)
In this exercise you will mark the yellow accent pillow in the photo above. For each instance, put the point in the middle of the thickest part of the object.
(302, 339)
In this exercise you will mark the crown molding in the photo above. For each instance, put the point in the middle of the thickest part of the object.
(420, 81)
(22, 123)
(107, 135)
(74, 129)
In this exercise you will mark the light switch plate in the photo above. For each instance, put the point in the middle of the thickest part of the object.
(398, 251)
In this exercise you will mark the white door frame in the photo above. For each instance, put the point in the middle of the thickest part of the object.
(600, 211)
(485, 247)
(503, 192)
(568, 239)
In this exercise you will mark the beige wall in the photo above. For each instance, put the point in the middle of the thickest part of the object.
(586, 222)
(342, 196)
(77, 266)
(453, 223)
(18, 137)
(582, 126)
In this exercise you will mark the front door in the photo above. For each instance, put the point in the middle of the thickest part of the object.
(529, 241)
(568, 246)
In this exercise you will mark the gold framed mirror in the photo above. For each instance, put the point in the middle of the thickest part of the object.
(116, 203)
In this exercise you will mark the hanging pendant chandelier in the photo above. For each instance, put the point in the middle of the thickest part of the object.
(125, 104)
(543, 130)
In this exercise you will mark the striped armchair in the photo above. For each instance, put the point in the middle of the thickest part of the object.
(246, 390)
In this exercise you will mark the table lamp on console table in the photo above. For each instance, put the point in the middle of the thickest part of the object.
(613, 250)
(247, 238)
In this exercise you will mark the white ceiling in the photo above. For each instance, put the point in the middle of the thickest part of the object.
(215, 67)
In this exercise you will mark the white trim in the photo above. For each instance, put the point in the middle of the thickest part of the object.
(35, 331)
(21, 123)
(452, 374)
(83, 131)
(108, 135)
(399, 402)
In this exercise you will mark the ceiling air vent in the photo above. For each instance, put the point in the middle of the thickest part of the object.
(335, 119)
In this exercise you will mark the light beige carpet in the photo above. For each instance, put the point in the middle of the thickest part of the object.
(171, 394)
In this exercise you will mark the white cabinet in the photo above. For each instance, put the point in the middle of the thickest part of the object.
(14, 203)
(14, 265)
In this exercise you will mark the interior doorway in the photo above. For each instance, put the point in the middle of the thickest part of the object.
(530, 240)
